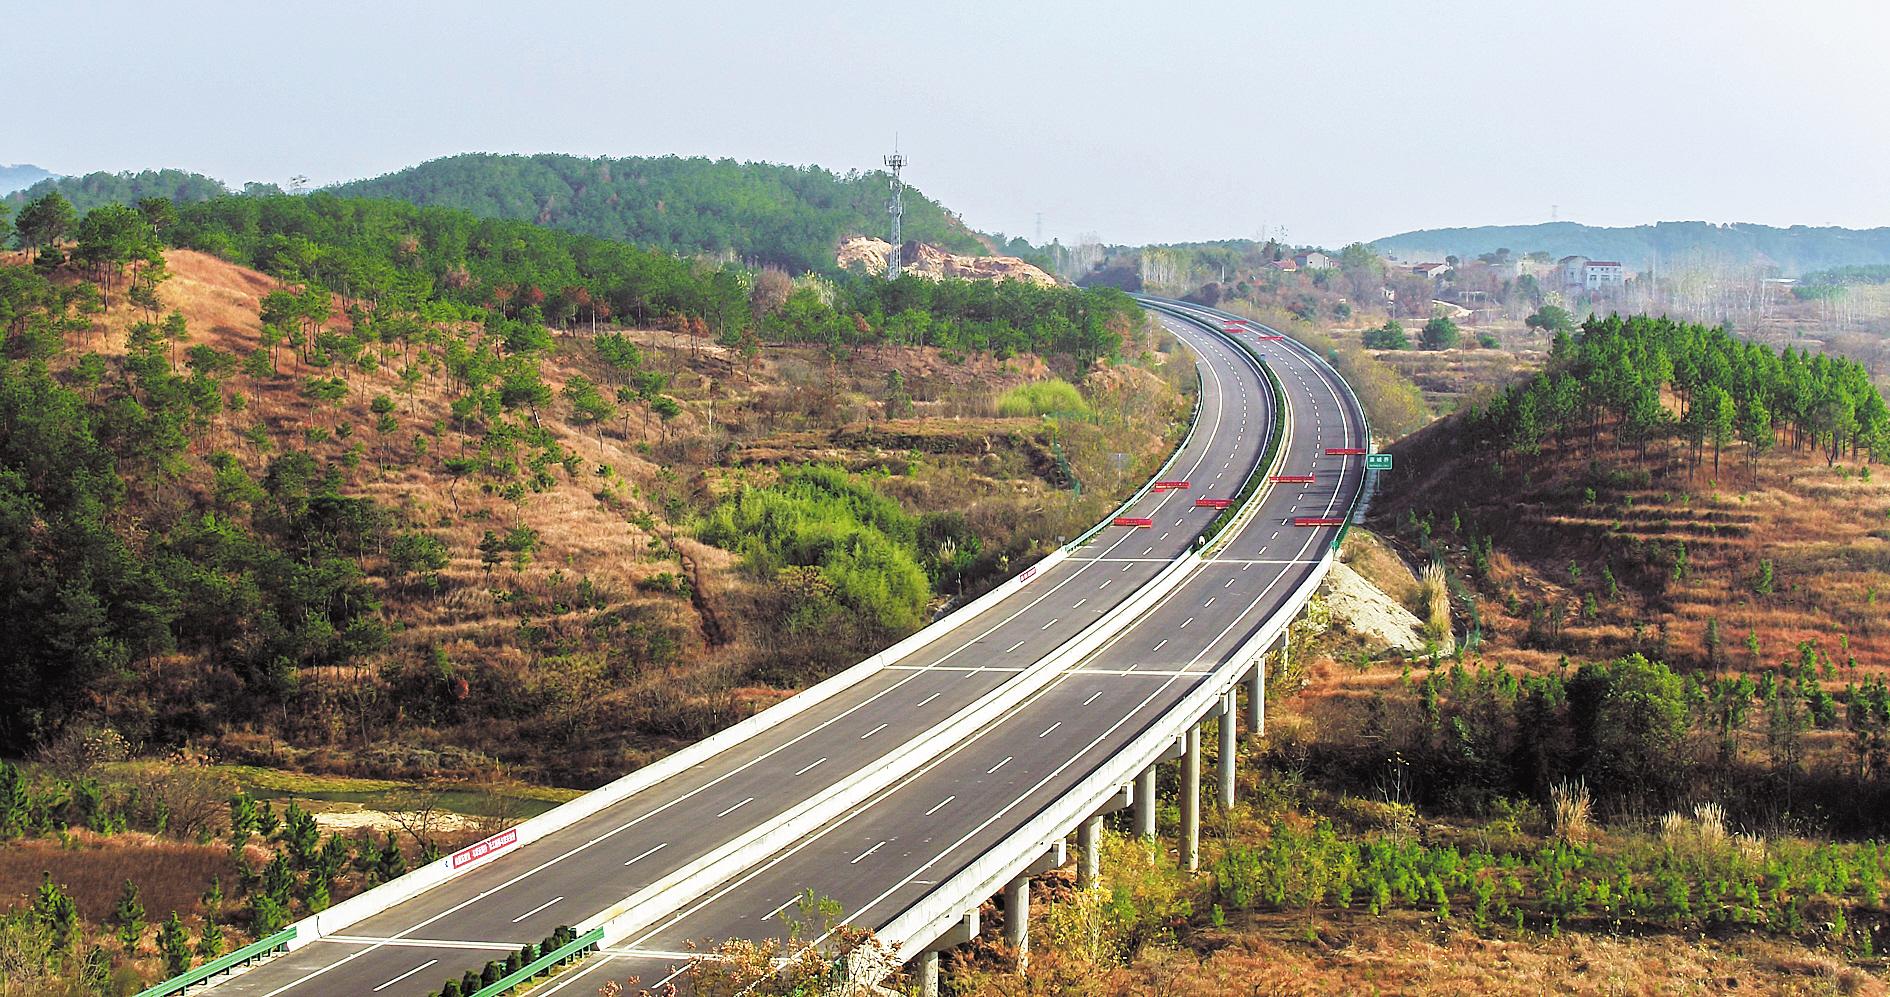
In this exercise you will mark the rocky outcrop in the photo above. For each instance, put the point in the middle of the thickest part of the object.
(869, 254)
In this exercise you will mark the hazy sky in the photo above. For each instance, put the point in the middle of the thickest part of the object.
(1139, 122)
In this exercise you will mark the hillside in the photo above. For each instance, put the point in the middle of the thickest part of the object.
(21, 176)
(786, 216)
(1796, 250)
(1656, 762)
(93, 189)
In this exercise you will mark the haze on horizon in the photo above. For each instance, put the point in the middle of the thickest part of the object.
(1136, 122)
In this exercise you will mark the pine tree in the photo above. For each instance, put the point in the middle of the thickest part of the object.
(128, 917)
(174, 945)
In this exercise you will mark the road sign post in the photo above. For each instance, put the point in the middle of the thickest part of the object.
(1377, 462)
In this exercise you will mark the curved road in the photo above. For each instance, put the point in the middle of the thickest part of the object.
(587, 868)
(888, 853)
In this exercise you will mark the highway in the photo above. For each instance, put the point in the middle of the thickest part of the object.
(887, 853)
(596, 863)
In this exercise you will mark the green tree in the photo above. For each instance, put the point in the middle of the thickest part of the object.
(1552, 319)
(1439, 333)
(128, 917)
(45, 221)
(174, 945)
(1389, 336)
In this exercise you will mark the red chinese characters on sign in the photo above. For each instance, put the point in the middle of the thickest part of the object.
(473, 853)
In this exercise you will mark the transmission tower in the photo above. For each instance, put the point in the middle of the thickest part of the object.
(897, 210)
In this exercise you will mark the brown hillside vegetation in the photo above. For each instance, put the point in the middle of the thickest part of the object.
(1556, 524)
(608, 634)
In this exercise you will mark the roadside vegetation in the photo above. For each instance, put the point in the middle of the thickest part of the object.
(352, 487)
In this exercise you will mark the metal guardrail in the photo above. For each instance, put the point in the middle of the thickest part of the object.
(946, 903)
(582, 943)
(223, 963)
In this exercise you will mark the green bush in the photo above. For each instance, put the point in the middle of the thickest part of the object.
(1052, 397)
(831, 540)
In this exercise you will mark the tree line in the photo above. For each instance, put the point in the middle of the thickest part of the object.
(1648, 379)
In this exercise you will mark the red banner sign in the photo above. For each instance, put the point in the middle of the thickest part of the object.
(1271, 339)
(1213, 503)
(497, 843)
(1345, 451)
(1293, 479)
(1164, 486)
(1317, 521)
(1029, 573)
(1134, 521)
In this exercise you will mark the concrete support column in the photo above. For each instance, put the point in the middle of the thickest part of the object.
(1191, 801)
(1089, 839)
(1225, 768)
(1257, 698)
(1144, 803)
(1017, 918)
(928, 974)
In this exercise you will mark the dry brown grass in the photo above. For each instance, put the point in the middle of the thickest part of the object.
(171, 874)
(610, 524)
(1407, 955)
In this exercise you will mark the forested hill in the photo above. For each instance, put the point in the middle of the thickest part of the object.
(1795, 250)
(764, 213)
(94, 189)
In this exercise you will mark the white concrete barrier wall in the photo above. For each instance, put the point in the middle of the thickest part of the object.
(391, 894)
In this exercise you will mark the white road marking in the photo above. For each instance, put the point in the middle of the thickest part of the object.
(404, 975)
(994, 768)
(1050, 728)
(1048, 625)
(536, 909)
(1185, 623)
(869, 851)
(1159, 646)
(922, 702)
(810, 765)
(1014, 647)
(791, 901)
(734, 808)
(1079, 603)
(875, 730)
(1092, 697)
(1208, 603)
(652, 851)
(940, 805)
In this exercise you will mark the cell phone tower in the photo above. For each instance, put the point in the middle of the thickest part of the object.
(897, 210)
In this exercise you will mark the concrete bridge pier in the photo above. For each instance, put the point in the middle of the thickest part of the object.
(1144, 803)
(1088, 839)
(1017, 919)
(1225, 764)
(958, 934)
(1257, 698)
(1191, 800)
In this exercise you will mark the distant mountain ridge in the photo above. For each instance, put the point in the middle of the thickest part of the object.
(93, 189)
(788, 216)
(20, 176)
(1795, 250)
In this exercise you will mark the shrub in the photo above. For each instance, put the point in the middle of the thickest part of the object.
(1052, 397)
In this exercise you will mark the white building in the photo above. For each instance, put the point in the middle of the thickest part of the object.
(1600, 274)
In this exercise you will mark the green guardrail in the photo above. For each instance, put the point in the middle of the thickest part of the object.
(1276, 434)
(221, 964)
(576, 946)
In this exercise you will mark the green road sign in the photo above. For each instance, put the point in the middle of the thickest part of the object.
(1377, 462)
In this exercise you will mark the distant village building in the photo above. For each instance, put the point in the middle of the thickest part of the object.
(1315, 260)
(1582, 273)
(1431, 270)
(1283, 266)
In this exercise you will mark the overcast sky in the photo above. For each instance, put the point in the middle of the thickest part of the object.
(1145, 122)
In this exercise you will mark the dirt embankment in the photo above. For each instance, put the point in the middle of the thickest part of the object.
(869, 254)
